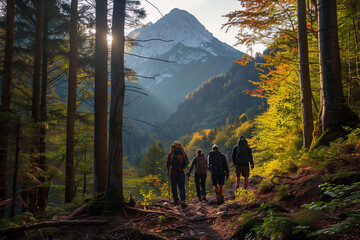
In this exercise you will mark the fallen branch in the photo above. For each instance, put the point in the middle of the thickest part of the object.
(200, 219)
(172, 230)
(77, 212)
(287, 177)
(5, 231)
(146, 216)
(150, 211)
(159, 205)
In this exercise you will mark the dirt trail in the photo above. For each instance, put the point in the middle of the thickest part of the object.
(199, 220)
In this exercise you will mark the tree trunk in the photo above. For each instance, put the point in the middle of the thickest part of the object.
(330, 74)
(43, 190)
(349, 70)
(115, 180)
(16, 168)
(84, 174)
(37, 62)
(306, 106)
(101, 97)
(6, 97)
(71, 112)
(33, 194)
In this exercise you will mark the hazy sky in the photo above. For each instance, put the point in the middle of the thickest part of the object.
(208, 12)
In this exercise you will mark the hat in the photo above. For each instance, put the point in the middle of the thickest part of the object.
(215, 147)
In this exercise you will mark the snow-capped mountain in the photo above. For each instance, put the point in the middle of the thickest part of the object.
(192, 52)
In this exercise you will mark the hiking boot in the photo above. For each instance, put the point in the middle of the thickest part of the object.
(204, 198)
(220, 200)
(176, 203)
(183, 204)
(199, 198)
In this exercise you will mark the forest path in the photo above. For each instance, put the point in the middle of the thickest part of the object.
(199, 220)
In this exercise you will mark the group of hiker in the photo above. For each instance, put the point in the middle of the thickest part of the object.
(215, 162)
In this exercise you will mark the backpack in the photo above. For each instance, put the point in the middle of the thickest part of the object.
(201, 165)
(178, 161)
(242, 155)
(217, 164)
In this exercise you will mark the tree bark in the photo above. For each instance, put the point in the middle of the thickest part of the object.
(305, 84)
(101, 97)
(16, 169)
(43, 189)
(330, 74)
(71, 112)
(37, 62)
(33, 194)
(6, 97)
(115, 180)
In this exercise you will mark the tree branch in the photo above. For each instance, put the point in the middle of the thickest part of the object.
(157, 59)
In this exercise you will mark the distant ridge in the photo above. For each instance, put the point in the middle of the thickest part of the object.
(214, 101)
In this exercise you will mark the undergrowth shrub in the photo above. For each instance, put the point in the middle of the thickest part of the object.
(264, 224)
(338, 197)
(274, 226)
(243, 195)
(265, 186)
(281, 191)
(342, 176)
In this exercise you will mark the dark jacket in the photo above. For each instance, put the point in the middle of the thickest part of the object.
(217, 163)
(194, 163)
(248, 149)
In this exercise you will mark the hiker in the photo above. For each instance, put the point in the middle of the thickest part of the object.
(200, 164)
(219, 171)
(242, 156)
(177, 161)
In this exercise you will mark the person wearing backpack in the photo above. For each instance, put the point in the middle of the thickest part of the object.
(200, 164)
(177, 161)
(219, 169)
(242, 156)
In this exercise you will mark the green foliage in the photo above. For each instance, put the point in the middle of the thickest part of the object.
(264, 223)
(162, 219)
(249, 220)
(243, 195)
(340, 196)
(281, 191)
(274, 226)
(265, 186)
(341, 175)
(154, 160)
(225, 137)
(147, 197)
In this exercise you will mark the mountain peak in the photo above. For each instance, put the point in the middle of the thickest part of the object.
(182, 29)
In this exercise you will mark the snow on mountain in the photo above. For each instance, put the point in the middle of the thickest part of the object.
(194, 55)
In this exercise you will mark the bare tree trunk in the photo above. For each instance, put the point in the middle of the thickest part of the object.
(306, 106)
(115, 178)
(330, 77)
(16, 169)
(6, 98)
(43, 190)
(101, 97)
(33, 194)
(85, 173)
(349, 71)
(71, 112)
(37, 62)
